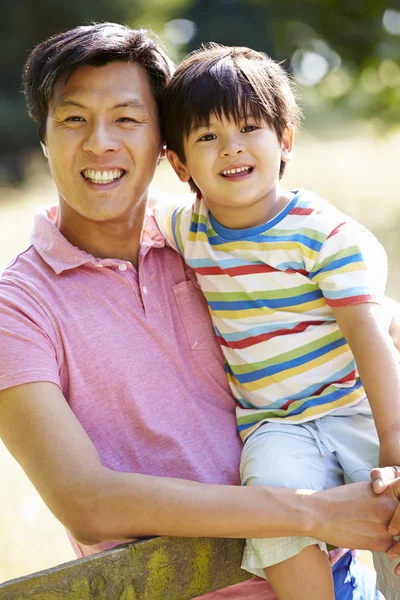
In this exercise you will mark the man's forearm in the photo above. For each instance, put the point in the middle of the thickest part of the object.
(122, 506)
(138, 505)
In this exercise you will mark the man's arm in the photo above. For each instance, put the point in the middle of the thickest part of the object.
(97, 504)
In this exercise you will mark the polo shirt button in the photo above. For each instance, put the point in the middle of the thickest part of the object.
(122, 267)
(145, 290)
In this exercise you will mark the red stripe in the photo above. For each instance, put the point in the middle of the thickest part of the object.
(349, 301)
(336, 230)
(252, 341)
(235, 271)
(350, 377)
(301, 211)
(245, 270)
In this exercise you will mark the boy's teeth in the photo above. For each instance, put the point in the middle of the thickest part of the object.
(233, 171)
(102, 176)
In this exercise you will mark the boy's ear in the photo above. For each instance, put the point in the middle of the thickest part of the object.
(287, 143)
(178, 166)
(44, 148)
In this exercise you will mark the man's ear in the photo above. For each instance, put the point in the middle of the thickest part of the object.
(178, 166)
(45, 150)
(287, 143)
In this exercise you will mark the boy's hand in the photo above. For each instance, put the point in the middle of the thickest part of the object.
(382, 477)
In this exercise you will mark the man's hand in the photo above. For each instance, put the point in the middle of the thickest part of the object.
(353, 516)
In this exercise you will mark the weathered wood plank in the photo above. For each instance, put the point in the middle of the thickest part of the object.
(162, 568)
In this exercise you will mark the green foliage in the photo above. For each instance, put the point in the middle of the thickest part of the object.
(357, 57)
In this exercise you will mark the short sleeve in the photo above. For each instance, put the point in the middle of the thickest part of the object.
(174, 220)
(351, 267)
(28, 341)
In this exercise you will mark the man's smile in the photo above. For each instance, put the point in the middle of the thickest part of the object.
(102, 177)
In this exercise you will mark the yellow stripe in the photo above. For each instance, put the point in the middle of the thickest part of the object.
(358, 266)
(232, 315)
(201, 236)
(309, 413)
(265, 382)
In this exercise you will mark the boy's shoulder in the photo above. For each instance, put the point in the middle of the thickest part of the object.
(314, 212)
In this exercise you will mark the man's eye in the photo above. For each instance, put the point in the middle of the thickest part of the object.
(74, 119)
(208, 137)
(248, 128)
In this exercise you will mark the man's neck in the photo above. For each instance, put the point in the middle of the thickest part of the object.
(118, 239)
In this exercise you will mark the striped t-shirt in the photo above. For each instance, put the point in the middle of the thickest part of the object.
(270, 291)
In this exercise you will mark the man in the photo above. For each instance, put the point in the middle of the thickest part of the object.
(114, 399)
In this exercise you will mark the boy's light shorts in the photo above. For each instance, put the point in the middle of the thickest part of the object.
(328, 452)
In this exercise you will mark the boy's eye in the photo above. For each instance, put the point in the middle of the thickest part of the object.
(248, 128)
(207, 137)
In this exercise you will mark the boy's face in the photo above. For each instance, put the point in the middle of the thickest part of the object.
(236, 167)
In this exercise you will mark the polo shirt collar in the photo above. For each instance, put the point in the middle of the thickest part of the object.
(62, 256)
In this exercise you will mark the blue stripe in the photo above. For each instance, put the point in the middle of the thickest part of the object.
(307, 392)
(196, 227)
(252, 232)
(173, 227)
(223, 263)
(338, 263)
(290, 364)
(294, 266)
(318, 401)
(347, 293)
(255, 331)
(259, 303)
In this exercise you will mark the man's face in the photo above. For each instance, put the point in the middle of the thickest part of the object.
(103, 140)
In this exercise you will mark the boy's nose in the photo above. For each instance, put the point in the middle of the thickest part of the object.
(100, 140)
(232, 145)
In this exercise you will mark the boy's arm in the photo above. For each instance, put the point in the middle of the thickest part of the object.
(378, 365)
(393, 308)
(97, 504)
(173, 216)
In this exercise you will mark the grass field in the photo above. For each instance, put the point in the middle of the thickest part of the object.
(359, 174)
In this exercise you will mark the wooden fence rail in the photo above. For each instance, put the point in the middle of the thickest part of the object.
(162, 568)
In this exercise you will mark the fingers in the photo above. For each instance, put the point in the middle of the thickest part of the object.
(394, 554)
(382, 478)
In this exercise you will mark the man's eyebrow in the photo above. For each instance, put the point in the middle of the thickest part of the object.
(130, 104)
(127, 104)
(68, 102)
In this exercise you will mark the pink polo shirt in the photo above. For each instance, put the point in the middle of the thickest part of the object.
(134, 354)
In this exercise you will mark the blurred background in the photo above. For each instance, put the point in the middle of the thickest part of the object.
(344, 56)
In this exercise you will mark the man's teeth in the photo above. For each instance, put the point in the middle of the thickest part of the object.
(233, 171)
(102, 176)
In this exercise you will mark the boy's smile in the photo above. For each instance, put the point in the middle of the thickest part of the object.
(236, 167)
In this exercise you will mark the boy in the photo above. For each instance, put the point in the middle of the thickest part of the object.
(294, 290)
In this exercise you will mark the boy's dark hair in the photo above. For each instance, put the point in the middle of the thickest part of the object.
(96, 45)
(226, 82)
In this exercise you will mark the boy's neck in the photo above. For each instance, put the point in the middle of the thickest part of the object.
(246, 217)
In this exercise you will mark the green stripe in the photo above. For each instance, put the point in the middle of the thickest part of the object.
(260, 295)
(338, 255)
(310, 233)
(287, 356)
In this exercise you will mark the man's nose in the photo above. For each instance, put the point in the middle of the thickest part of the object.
(100, 139)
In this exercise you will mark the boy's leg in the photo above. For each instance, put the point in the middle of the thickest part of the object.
(357, 448)
(306, 575)
(290, 456)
